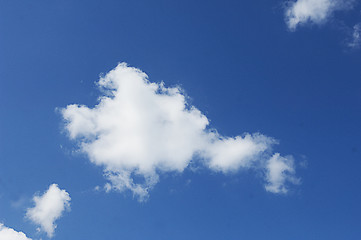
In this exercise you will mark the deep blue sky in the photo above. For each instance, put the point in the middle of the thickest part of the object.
(238, 63)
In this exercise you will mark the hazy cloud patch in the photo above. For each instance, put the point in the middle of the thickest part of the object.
(355, 41)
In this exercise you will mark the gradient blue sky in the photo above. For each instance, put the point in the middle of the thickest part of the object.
(240, 65)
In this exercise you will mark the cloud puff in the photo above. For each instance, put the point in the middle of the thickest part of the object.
(48, 208)
(140, 129)
(301, 12)
(278, 171)
(10, 234)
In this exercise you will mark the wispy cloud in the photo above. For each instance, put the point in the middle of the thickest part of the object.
(48, 208)
(356, 37)
(140, 129)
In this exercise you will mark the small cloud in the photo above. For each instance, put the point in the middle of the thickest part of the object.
(10, 234)
(356, 37)
(48, 208)
(279, 171)
(302, 12)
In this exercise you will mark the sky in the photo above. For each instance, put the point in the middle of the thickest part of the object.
(180, 120)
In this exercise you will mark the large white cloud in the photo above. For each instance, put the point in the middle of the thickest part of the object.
(48, 208)
(140, 129)
(10, 234)
(302, 12)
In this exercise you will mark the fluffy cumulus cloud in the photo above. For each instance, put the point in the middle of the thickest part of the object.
(10, 234)
(140, 129)
(302, 12)
(48, 208)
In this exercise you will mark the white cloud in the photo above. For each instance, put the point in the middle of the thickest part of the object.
(280, 170)
(10, 234)
(48, 208)
(230, 154)
(140, 129)
(302, 12)
(356, 37)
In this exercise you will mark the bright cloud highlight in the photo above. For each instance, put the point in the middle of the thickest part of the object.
(48, 208)
(10, 234)
(302, 12)
(140, 129)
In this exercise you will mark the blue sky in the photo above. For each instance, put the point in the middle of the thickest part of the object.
(289, 71)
